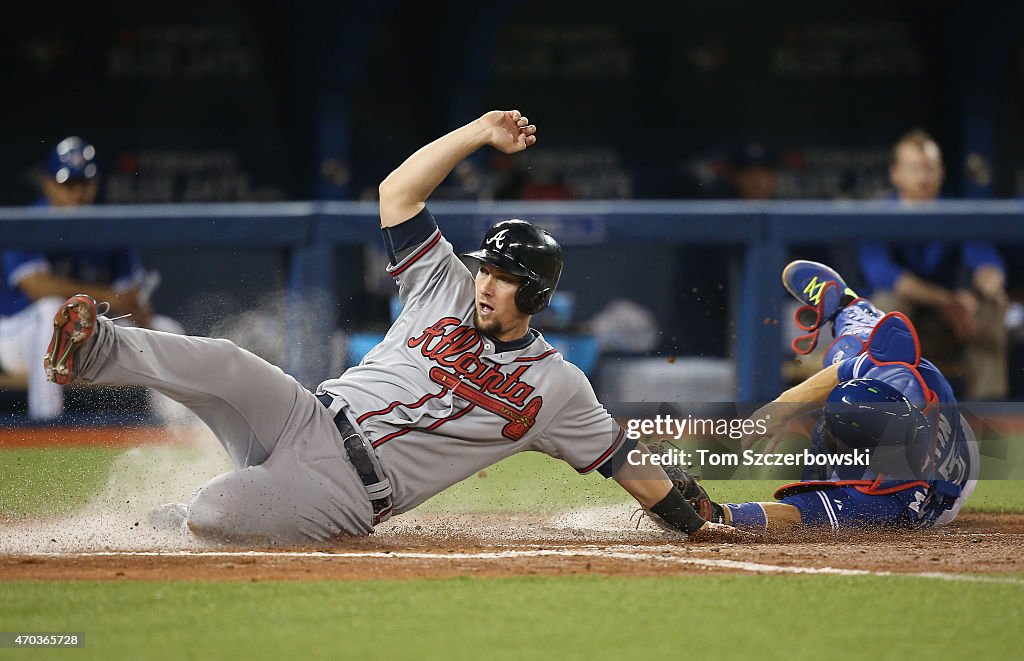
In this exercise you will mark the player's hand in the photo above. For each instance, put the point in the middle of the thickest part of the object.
(774, 417)
(509, 131)
(719, 532)
(990, 282)
(959, 313)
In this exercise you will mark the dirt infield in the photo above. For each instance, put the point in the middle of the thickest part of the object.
(484, 546)
(110, 538)
(110, 437)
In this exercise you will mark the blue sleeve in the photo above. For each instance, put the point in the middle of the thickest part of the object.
(126, 267)
(876, 265)
(15, 260)
(405, 236)
(848, 368)
(980, 253)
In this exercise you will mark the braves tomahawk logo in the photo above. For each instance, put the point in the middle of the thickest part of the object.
(498, 239)
(456, 347)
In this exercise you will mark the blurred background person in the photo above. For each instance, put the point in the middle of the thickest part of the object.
(745, 171)
(753, 172)
(954, 292)
(36, 282)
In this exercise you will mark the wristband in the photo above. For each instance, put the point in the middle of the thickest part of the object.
(676, 511)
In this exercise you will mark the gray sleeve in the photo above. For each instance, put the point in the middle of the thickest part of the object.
(429, 272)
(583, 433)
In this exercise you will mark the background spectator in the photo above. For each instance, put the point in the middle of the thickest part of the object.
(35, 282)
(955, 293)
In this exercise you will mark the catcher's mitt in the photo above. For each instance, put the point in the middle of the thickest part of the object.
(687, 483)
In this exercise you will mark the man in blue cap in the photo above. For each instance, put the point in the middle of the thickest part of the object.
(36, 282)
(891, 447)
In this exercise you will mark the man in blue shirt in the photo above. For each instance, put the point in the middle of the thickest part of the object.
(956, 294)
(35, 283)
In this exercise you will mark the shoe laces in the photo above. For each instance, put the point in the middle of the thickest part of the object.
(103, 308)
(860, 315)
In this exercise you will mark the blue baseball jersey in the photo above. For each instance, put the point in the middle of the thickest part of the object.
(120, 268)
(882, 264)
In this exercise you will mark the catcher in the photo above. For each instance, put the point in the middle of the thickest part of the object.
(876, 393)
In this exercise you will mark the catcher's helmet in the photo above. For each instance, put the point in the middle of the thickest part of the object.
(526, 250)
(868, 413)
(73, 159)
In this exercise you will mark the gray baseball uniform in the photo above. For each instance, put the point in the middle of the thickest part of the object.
(436, 399)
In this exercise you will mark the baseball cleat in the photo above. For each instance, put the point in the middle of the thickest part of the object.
(807, 282)
(810, 318)
(804, 280)
(74, 323)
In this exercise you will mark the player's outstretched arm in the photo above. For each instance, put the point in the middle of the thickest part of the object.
(798, 400)
(652, 488)
(405, 191)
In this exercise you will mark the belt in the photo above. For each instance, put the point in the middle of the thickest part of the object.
(377, 485)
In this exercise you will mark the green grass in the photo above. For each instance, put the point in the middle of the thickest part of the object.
(531, 482)
(44, 481)
(586, 617)
(527, 482)
(997, 496)
(58, 480)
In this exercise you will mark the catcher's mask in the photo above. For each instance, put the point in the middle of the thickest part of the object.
(870, 414)
(526, 250)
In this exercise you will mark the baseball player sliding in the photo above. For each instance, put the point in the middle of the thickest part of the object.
(459, 382)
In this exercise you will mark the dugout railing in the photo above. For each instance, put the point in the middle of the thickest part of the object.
(310, 232)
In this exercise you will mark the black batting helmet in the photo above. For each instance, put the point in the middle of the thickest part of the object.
(526, 250)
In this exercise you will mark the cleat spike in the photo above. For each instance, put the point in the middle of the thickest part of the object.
(73, 325)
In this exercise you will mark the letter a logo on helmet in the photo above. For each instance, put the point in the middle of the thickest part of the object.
(498, 240)
(526, 250)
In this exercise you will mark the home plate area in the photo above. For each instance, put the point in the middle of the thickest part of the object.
(598, 540)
